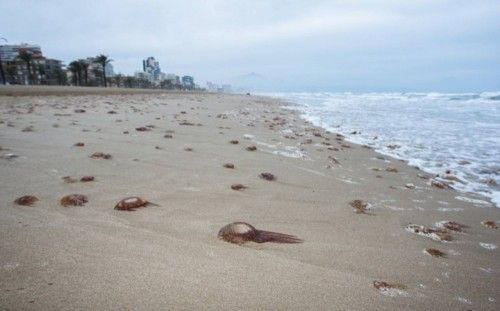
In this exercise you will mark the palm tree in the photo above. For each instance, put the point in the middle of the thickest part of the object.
(103, 60)
(76, 70)
(129, 81)
(27, 57)
(118, 79)
(84, 66)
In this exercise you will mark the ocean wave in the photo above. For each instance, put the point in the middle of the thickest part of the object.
(438, 132)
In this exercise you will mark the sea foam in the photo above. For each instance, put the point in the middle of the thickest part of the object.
(436, 132)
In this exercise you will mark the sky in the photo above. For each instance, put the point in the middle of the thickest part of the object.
(339, 46)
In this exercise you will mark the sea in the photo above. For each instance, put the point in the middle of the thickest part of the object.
(439, 133)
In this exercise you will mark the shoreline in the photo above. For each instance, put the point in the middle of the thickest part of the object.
(169, 256)
(454, 181)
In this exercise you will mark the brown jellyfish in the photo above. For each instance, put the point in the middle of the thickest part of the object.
(251, 148)
(26, 200)
(384, 286)
(242, 232)
(234, 142)
(453, 226)
(132, 203)
(101, 155)
(79, 144)
(69, 179)
(238, 187)
(112, 112)
(79, 110)
(87, 178)
(168, 136)
(360, 206)
(489, 224)
(440, 185)
(74, 200)
(228, 165)
(142, 129)
(435, 252)
(267, 176)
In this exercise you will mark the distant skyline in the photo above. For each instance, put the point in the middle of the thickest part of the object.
(362, 46)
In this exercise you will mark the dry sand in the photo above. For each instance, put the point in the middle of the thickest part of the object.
(168, 256)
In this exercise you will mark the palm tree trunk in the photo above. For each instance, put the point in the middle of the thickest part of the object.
(4, 81)
(104, 74)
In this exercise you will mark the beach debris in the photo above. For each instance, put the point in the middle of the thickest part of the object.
(410, 186)
(74, 200)
(79, 144)
(489, 224)
(333, 159)
(234, 142)
(168, 136)
(439, 184)
(238, 187)
(87, 178)
(267, 176)
(392, 169)
(440, 235)
(142, 129)
(101, 155)
(80, 110)
(228, 165)
(26, 200)
(360, 206)
(242, 232)
(132, 203)
(112, 112)
(251, 148)
(125, 132)
(389, 289)
(393, 146)
(188, 149)
(184, 122)
(435, 252)
(28, 129)
(451, 225)
(69, 179)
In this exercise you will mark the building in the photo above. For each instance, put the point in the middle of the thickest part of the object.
(9, 53)
(42, 70)
(151, 67)
(188, 82)
(108, 69)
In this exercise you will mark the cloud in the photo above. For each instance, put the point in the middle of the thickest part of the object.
(303, 44)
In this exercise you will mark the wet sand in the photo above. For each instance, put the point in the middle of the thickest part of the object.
(169, 257)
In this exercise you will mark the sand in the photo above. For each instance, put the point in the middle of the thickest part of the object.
(169, 257)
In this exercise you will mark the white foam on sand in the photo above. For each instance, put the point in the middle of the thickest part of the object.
(474, 201)
(489, 246)
(464, 300)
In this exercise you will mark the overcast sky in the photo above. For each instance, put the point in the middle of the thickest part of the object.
(360, 46)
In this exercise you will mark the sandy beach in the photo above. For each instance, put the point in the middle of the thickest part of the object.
(170, 149)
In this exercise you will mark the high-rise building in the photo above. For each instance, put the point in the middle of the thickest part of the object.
(188, 82)
(152, 69)
(9, 53)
